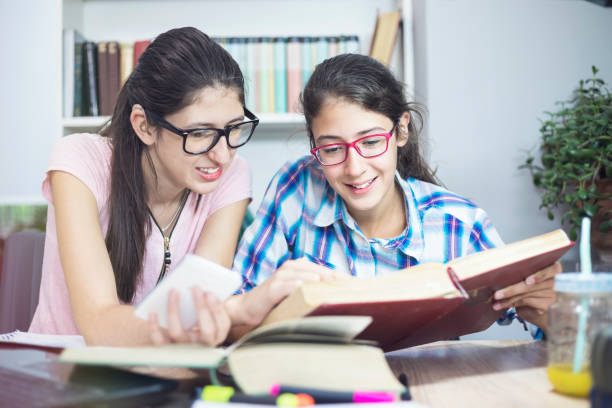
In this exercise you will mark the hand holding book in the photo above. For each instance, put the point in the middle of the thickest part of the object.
(530, 297)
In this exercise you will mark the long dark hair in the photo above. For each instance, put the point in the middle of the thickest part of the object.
(173, 68)
(363, 80)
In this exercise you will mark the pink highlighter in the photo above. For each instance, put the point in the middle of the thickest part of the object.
(321, 396)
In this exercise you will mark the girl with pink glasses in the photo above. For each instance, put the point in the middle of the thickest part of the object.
(365, 202)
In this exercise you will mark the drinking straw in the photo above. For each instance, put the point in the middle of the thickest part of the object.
(585, 269)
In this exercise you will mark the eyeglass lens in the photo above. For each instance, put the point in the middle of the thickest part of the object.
(202, 140)
(369, 146)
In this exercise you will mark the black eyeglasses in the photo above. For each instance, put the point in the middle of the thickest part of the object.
(202, 140)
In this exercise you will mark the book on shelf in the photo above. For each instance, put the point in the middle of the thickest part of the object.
(89, 100)
(109, 81)
(103, 78)
(139, 47)
(114, 75)
(315, 352)
(385, 33)
(72, 53)
(430, 301)
(127, 60)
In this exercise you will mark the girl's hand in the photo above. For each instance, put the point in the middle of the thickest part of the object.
(532, 297)
(211, 330)
(255, 305)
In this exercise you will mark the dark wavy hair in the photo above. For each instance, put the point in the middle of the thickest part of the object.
(167, 77)
(363, 80)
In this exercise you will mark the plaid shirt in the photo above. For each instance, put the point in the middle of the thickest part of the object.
(301, 215)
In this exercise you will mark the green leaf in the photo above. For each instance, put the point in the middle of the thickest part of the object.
(591, 209)
(573, 235)
(594, 69)
(605, 226)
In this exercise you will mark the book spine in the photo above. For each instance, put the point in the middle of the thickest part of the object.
(306, 44)
(280, 75)
(263, 77)
(103, 78)
(113, 74)
(127, 61)
(78, 79)
(332, 43)
(250, 89)
(90, 86)
(294, 73)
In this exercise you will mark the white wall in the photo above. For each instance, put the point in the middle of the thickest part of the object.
(487, 70)
(29, 85)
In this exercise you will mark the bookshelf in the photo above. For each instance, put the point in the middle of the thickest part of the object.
(134, 20)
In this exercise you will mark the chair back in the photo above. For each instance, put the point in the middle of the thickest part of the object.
(20, 283)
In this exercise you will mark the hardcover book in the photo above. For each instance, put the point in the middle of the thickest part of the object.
(313, 352)
(430, 301)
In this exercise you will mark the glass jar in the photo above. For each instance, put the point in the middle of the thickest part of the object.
(582, 300)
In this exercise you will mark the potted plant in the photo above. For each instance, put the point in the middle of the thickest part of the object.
(575, 166)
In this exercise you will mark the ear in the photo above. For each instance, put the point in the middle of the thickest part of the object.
(144, 131)
(402, 129)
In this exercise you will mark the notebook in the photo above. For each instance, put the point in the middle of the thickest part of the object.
(33, 378)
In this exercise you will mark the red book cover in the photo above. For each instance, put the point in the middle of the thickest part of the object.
(430, 301)
(139, 47)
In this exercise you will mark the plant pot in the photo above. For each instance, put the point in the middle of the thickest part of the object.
(602, 241)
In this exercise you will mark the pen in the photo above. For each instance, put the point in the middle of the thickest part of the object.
(214, 393)
(321, 396)
(319, 261)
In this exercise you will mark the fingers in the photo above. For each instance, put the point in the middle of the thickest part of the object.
(175, 328)
(543, 279)
(544, 274)
(212, 327)
(213, 321)
(156, 333)
(539, 300)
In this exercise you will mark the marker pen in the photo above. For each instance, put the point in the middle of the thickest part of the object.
(327, 396)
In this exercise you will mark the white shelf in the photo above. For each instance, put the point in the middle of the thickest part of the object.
(265, 119)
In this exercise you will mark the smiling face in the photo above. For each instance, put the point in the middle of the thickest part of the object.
(365, 184)
(213, 107)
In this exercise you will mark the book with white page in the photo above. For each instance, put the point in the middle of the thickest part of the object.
(192, 271)
(43, 340)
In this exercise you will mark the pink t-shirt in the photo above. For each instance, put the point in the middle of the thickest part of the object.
(88, 157)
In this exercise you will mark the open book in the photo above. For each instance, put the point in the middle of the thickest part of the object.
(314, 352)
(427, 302)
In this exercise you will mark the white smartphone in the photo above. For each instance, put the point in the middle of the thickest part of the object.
(192, 271)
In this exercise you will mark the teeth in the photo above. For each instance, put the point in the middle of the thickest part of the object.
(208, 170)
(359, 186)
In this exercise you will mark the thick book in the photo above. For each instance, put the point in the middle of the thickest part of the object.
(430, 301)
(103, 78)
(313, 352)
(90, 100)
(114, 75)
(387, 26)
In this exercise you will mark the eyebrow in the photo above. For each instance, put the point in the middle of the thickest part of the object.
(212, 125)
(360, 133)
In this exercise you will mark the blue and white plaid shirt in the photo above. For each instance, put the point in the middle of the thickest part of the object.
(301, 215)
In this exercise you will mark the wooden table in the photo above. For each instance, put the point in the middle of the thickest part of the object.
(480, 374)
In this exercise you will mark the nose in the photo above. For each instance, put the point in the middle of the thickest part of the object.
(353, 165)
(221, 152)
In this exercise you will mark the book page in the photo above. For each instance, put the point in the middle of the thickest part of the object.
(174, 355)
(332, 328)
(43, 340)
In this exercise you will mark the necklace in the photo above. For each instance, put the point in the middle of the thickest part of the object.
(176, 213)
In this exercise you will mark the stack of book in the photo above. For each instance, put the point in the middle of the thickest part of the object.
(275, 69)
